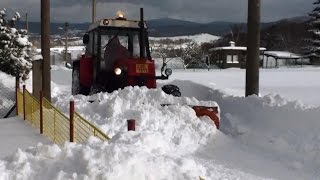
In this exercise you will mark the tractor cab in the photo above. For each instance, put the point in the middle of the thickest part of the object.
(117, 55)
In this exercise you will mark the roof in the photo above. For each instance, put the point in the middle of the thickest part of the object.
(236, 48)
(116, 23)
(282, 54)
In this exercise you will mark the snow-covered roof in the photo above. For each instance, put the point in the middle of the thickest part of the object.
(61, 49)
(238, 48)
(282, 54)
(233, 47)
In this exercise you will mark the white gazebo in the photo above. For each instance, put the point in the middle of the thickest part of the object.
(230, 56)
(280, 58)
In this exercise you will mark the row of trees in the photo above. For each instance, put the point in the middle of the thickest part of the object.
(190, 54)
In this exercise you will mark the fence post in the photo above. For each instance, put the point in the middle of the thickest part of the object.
(41, 113)
(24, 102)
(71, 121)
(17, 89)
(131, 125)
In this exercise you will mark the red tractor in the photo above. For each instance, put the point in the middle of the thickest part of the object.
(117, 55)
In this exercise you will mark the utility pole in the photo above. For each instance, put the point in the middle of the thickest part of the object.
(45, 48)
(253, 48)
(93, 11)
(27, 23)
(66, 29)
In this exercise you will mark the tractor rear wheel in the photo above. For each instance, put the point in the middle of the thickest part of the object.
(75, 80)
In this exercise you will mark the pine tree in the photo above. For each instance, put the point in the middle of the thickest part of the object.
(14, 44)
(314, 42)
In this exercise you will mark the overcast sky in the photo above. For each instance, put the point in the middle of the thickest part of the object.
(192, 10)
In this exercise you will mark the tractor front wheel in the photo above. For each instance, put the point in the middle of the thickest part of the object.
(172, 90)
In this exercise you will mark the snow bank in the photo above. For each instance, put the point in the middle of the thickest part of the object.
(283, 131)
(266, 136)
(126, 157)
(178, 123)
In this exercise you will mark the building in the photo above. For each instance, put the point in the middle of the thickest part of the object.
(275, 59)
(230, 56)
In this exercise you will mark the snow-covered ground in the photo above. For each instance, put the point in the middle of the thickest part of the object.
(272, 136)
(15, 133)
(198, 38)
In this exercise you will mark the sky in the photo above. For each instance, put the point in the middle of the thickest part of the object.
(202, 11)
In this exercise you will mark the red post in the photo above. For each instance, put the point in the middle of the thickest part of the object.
(131, 125)
(24, 102)
(71, 121)
(41, 113)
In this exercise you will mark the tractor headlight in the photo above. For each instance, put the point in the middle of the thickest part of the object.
(168, 72)
(117, 71)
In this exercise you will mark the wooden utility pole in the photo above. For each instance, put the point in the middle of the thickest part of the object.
(66, 29)
(253, 48)
(45, 48)
(27, 23)
(93, 11)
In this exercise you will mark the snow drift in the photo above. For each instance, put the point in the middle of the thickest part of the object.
(261, 137)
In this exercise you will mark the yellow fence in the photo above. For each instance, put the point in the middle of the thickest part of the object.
(53, 123)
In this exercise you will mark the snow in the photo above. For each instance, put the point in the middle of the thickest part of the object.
(282, 54)
(198, 38)
(240, 48)
(23, 41)
(14, 134)
(37, 57)
(271, 136)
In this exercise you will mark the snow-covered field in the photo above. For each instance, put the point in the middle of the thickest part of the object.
(198, 38)
(272, 136)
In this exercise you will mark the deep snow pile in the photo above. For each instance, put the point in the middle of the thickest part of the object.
(283, 133)
(266, 136)
(127, 156)
(161, 148)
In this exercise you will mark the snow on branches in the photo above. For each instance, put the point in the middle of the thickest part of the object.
(14, 44)
(192, 54)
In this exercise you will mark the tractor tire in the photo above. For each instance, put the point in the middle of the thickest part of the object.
(172, 90)
(75, 80)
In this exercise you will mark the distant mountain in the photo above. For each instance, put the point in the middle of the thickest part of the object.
(55, 28)
(164, 27)
(170, 22)
(298, 19)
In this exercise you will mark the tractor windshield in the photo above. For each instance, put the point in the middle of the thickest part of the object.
(127, 39)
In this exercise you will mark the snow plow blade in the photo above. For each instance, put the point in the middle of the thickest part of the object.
(211, 112)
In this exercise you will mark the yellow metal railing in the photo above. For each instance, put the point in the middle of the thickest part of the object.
(55, 125)
(20, 103)
(84, 129)
(32, 110)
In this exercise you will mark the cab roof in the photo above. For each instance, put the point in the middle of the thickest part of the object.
(121, 23)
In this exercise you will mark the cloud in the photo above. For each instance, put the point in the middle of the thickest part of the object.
(200, 11)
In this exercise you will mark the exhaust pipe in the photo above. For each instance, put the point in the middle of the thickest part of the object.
(142, 35)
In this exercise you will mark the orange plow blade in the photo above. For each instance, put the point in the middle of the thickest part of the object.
(211, 112)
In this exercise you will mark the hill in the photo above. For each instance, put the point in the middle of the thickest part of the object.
(158, 27)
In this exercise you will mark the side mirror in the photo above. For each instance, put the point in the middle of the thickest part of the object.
(85, 39)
